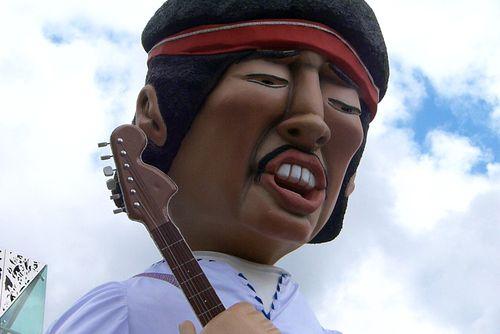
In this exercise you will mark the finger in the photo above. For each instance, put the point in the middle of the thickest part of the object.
(274, 330)
(187, 327)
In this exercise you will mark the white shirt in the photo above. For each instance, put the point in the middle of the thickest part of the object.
(143, 305)
(261, 277)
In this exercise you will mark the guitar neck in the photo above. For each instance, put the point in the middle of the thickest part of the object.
(144, 191)
(192, 280)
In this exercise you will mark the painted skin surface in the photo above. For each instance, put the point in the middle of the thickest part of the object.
(258, 106)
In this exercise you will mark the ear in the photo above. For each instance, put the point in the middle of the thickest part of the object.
(148, 116)
(350, 186)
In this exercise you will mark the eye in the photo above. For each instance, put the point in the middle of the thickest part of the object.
(343, 107)
(267, 80)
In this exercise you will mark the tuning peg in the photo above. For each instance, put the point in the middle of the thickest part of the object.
(106, 157)
(111, 184)
(108, 171)
(103, 144)
(119, 210)
(115, 196)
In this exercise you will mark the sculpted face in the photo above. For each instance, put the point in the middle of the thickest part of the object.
(260, 169)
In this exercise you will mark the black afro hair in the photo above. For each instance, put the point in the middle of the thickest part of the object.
(353, 19)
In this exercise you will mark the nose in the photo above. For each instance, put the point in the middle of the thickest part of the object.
(305, 131)
(304, 124)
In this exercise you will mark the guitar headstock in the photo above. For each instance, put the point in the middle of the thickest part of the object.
(140, 190)
(143, 192)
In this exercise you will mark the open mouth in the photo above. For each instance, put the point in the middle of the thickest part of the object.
(296, 180)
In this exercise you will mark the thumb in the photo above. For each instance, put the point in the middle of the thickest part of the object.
(187, 327)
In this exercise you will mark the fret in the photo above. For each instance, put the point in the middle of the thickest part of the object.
(198, 290)
(204, 296)
(196, 280)
(205, 309)
(190, 279)
(182, 252)
(188, 272)
(197, 294)
(186, 269)
(200, 305)
(146, 193)
(170, 246)
(209, 310)
(165, 235)
(183, 264)
(190, 276)
(220, 308)
(208, 296)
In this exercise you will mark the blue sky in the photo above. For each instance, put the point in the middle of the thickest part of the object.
(84, 28)
(465, 116)
(420, 247)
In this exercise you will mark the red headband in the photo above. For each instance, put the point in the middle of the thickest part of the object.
(273, 34)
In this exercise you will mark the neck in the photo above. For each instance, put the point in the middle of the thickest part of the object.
(239, 263)
(246, 245)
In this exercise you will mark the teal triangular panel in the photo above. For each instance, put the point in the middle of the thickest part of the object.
(25, 315)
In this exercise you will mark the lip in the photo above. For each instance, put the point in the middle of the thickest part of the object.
(295, 157)
(290, 200)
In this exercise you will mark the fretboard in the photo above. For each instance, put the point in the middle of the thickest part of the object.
(191, 278)
(145, 191)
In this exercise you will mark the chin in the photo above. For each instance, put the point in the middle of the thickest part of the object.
(266, 217)
(291, 228)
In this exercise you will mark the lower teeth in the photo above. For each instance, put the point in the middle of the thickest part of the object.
(291, 187)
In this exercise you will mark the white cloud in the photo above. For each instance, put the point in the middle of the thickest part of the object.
(420, 245)
(386, 285)
(54, 111)
(455, 44)
(431, 186)
(405, 94)
(419, 249)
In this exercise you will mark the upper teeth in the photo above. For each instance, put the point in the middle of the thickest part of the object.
(297, 174)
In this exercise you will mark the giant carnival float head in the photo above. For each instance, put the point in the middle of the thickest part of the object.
(259, 111)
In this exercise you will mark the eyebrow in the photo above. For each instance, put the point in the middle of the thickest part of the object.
(280, 54)
(344, 78)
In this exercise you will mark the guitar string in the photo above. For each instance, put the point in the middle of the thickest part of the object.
(197, 299)
(186, 282)
(210, 292)
(189, 288)
(205, 284)
(215, 304)
(190, 285)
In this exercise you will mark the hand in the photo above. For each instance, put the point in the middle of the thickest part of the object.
(241, 318)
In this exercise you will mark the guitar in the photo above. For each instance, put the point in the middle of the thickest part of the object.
(143, 192)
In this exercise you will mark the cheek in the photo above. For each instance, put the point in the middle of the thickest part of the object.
(347, 136)
(242, 111)
(229, 128)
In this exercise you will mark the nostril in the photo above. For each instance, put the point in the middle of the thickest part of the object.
(294, 132)
(321, 140)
